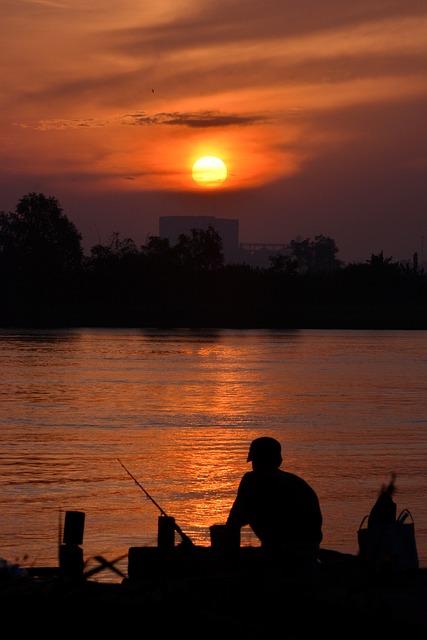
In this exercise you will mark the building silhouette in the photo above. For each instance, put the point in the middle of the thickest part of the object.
(256, 254)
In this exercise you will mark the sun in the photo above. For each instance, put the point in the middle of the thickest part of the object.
(209, 171)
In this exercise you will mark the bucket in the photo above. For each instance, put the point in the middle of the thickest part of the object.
(166, 533)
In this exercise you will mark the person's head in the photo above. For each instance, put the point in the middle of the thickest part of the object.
(265, 453)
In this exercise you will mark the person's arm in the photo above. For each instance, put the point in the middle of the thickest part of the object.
(314, 517)
(318, 520)
(308, 514)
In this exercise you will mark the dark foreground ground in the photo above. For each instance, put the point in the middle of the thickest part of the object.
(336, 601)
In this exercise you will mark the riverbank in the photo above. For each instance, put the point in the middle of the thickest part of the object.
(336, 603)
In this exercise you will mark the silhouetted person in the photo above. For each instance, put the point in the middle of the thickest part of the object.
(280, 507)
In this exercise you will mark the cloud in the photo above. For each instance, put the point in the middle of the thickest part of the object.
(225, 22)
(50, 4)
(58, 124)
(386, 47)
(195, 120)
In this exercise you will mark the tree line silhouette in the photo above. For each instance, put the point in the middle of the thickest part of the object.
(46, 280)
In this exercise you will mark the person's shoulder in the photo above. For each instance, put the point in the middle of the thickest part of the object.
(291, 477)
(296, 481)
(248, 479)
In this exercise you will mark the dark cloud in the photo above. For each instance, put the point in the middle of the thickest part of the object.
(195, 120)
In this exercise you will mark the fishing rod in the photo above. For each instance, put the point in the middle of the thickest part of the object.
(184, 537)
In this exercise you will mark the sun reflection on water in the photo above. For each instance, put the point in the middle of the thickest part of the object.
(181, 409)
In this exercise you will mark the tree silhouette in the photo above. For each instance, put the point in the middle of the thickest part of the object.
(302, 251)
(45, 280)
(324, 254)
(115, 251)
(40, 259)
(377, 261)
(315, 255)
(202, 250)
(159, 255)
(38, 237)
(280, 263)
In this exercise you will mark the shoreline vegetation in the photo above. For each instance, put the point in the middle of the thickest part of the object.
(47, 282)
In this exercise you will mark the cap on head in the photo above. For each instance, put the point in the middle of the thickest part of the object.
(265, 450)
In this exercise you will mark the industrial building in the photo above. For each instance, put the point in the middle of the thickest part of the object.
(254, 254)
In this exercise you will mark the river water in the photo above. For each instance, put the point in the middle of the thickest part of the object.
(180, 408)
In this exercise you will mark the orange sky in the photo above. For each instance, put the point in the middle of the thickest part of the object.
(318, 110)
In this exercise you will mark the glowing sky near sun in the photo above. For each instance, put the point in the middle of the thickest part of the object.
(317, 110)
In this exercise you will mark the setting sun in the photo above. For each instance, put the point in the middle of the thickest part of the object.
(209, 171)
